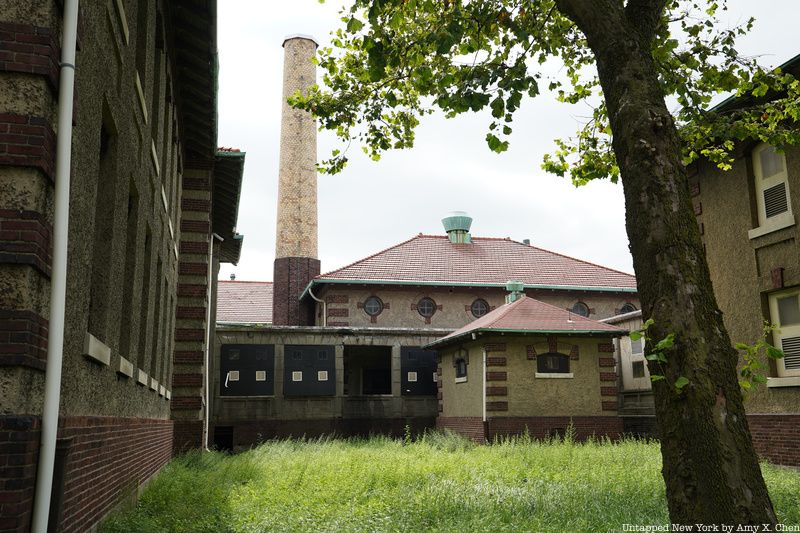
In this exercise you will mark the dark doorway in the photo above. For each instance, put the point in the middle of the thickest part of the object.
(223, 438)
(367, 370)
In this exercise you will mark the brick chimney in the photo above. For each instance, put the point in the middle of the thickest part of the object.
(296, 261)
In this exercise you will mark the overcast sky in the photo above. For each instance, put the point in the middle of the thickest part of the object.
(374, 205)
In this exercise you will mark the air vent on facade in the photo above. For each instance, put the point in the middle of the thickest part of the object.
(775, 200)
(791, 352)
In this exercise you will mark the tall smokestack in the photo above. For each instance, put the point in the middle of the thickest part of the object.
(296, 261)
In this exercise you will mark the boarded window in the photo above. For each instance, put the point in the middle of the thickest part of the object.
(417, 368)
(247, 370)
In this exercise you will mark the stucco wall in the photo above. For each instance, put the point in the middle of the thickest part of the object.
(115, 203)
(513, 390)
(741, 267)
(343, 303)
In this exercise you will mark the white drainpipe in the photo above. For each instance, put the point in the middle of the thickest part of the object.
(58, 278)
(324, 307)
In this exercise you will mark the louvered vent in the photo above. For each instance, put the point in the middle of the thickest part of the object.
(775, 200)
(791, 353)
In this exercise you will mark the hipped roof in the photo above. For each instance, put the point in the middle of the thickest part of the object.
(530, 316)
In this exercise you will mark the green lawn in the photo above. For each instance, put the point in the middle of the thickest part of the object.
(438, 483)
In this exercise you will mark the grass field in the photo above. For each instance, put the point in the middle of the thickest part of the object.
(437, 483)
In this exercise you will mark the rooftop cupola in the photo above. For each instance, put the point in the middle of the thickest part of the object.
(457, 225)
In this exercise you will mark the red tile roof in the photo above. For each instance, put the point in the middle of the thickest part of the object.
(527, 315)
(244, 302)
(432, 259)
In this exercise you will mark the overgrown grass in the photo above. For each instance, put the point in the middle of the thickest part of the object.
(437, 483)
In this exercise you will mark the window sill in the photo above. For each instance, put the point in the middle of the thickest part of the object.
(783, 382)
(784, 220)
(547, 375)
(461, 380)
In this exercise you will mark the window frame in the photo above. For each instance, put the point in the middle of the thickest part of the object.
(549, 373)
(783, 331)
(761, 184)
(479, 301)
(376, 299)
(433, 307)
(463, 356)
(585, 305)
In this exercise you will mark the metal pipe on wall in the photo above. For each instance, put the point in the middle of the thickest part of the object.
(58, 279)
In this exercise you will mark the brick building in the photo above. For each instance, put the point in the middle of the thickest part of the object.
(343, 352)
(149, 191)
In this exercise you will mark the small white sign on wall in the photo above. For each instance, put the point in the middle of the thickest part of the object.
(261, 375)
(322, 375)
(412, 376)
(233, 375)
(297, 375)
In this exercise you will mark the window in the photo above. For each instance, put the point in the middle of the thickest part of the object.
(785, 312)
(426, 307)
(373, 306)
(460, 362)
(552, 363)
(580, 308)
(627, 308)
(637, 347)
(479, 308)
(772, 187)
(638, 369)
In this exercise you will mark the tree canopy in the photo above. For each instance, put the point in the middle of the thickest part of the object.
(393, 61)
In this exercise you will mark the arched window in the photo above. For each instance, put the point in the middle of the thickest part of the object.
(373, 306)
(479, 308)
(627, 308)
(580, 308)
(552, 363)
(426, 307)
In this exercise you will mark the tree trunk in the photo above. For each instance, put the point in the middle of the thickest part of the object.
(710, 468)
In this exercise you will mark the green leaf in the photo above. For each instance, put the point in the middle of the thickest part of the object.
(498, 107)
(636, 335)
(665, 343)
(656, 377)
(742, 346)
(773, 352)
(353, 25)
(759, 378)
(681, 382)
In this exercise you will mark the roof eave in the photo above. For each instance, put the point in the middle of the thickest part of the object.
(582, 333)
(337, 281)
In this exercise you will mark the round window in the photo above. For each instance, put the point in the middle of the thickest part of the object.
(373, 306)
(580, 308)
(426, 307)
(627, 308)
(479, 308)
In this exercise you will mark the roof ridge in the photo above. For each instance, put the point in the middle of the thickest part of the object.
(370, 256)
(242, 281)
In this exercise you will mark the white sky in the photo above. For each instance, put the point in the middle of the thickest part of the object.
(370, 206)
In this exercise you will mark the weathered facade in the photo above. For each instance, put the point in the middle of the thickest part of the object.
(341, 352)
(141, 216)
(529, 367)
(747, 219)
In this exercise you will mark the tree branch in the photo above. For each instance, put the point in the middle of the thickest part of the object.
(599, 20)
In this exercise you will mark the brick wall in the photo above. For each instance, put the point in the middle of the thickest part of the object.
(107, 459)
(23, 339)
(469, 426)
(543, 426)
(291, 275)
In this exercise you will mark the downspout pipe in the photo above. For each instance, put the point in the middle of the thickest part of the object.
(324, 306)
(58, 278)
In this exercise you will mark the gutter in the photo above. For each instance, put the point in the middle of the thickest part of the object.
(339, 281)
(58, 278)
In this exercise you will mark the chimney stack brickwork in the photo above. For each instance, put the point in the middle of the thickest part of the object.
(296, 261)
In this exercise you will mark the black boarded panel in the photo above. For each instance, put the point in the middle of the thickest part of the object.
(310, 361)
(420, 364)
(248, 360)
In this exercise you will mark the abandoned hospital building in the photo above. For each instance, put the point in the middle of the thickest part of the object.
(484, 336)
